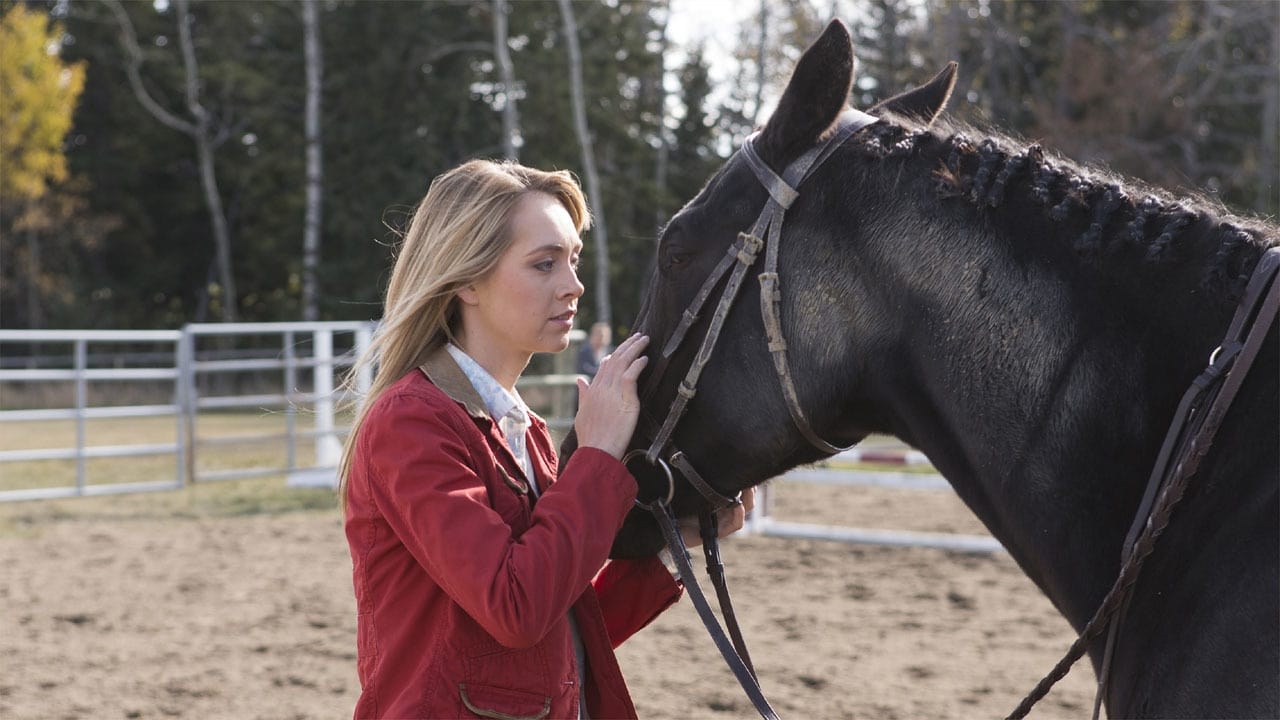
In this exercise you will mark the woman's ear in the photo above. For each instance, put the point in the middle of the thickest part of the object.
(467, 295)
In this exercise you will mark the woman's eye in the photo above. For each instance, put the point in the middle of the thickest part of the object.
(545, 265)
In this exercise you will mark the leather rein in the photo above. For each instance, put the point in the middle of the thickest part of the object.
(1195, 423)
(742, 255)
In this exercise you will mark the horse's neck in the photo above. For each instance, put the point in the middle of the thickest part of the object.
(1044, 406)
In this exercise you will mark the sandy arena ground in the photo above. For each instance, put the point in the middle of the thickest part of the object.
(199, 615)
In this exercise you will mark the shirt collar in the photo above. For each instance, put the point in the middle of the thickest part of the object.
(497, 400)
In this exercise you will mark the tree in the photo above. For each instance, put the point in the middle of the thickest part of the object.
(595, 194)
(315, 162)
(200, 124)
(38, 94)
(502, 55)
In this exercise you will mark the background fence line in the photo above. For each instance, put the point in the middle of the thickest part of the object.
(285, 371)
(280, 372)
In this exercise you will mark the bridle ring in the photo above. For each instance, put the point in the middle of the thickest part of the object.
(657, 462)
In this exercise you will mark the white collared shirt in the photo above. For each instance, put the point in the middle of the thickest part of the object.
(506, 407)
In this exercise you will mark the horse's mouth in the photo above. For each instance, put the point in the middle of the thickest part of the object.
(639, 537)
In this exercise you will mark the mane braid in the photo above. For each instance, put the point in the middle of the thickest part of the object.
(1112, 197)
(1032, 154)
(990, 158)
(1149, 208)
(1149, 225)
(1178, 218)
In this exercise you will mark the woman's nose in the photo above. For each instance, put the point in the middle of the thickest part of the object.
(574, 288)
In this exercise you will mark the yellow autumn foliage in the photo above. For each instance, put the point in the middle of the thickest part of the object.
(38, 94)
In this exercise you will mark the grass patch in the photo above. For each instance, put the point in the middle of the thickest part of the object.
(228, 498)
(223, 498)
(262, 447)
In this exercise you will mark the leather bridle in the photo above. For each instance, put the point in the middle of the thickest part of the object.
(766, 235)
(742, 255)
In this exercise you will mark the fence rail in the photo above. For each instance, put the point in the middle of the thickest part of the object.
(763, 522)
(283, 369)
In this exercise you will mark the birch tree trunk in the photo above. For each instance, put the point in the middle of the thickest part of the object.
(1268, 172)
(762, 52)
(198, 127)
(511, 139)
(594, 194)
(664, 147)
(315, 163)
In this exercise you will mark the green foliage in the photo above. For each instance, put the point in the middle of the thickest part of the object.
(1174, 92)
(38, 92)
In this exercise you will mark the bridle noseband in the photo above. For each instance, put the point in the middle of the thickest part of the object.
(766, 235)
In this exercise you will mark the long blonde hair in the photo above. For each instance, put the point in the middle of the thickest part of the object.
(457, 235)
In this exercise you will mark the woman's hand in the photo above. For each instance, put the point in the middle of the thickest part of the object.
(728, 520)
(609, 406)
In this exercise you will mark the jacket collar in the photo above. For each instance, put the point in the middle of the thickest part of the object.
(443, 371)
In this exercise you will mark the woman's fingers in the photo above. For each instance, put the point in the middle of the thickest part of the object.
(734, 517)
(608, 406)
(632, 373)
(620, 361)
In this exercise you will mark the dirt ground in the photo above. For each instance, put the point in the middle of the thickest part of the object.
(200, 615)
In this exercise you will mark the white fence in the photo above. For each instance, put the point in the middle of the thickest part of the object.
(762, 521)
(192, 369)
(195, 378)
(80, 374)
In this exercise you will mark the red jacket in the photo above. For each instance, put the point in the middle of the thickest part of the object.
(463, 582)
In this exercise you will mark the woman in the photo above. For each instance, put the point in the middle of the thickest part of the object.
(481, 581)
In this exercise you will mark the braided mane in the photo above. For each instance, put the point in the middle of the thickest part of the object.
(1121, 218)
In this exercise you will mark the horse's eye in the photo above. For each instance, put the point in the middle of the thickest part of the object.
(673, 257)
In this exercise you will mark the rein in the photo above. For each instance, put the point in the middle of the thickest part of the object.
(1195, 423)
(742, 255)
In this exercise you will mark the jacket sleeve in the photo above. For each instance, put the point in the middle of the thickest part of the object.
(632, 593)
(423, 480)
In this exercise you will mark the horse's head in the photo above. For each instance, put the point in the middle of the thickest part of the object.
(742, 428)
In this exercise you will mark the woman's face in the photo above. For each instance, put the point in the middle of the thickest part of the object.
(528, 303)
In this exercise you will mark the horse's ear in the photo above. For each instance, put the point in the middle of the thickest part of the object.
(815, 96)
(925, 102)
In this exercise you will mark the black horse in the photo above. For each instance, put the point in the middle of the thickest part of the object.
(1028, 323)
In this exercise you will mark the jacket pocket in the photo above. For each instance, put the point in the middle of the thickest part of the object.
(503, 704)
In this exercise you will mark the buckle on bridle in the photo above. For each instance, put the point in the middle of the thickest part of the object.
(659, 463)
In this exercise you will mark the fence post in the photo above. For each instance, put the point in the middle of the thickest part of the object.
(364, 336)
(328, 449)
(180, 409)
(82, 405)
(290, 405)
(189, 402)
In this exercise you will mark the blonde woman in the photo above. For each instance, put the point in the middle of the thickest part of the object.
(481, 582)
